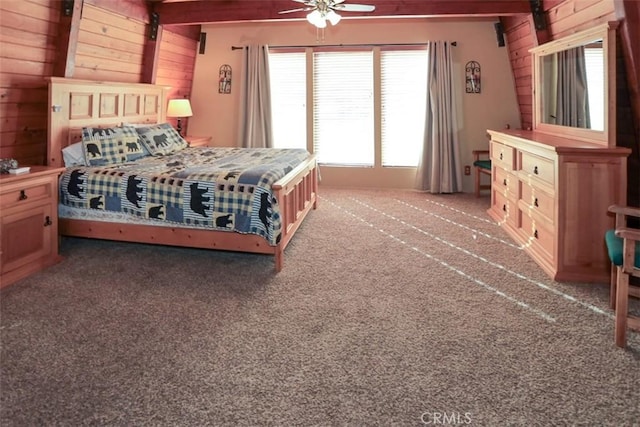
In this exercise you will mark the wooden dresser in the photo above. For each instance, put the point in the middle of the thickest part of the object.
(28, 222)
(551, 195)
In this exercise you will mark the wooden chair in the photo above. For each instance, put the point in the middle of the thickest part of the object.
(482, 165)
(623, 246)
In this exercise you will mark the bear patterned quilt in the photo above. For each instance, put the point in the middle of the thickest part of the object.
(218, 188)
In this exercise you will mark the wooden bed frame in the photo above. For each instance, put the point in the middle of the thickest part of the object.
(74, 104)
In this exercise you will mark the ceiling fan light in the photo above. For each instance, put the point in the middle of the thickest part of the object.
(333, 17)
(316, 19)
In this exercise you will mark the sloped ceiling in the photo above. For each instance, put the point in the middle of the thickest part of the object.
(185, 12)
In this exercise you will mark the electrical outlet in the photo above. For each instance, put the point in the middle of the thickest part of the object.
(467, 170)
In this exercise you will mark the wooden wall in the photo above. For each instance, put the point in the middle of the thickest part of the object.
(111, 43)
(28, 40)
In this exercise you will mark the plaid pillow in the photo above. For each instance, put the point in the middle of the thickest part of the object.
(108, 146)
(161, 139)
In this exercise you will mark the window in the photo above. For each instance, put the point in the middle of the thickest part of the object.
(343, 123)
(346, 111)
(404, 100)
(287, 75)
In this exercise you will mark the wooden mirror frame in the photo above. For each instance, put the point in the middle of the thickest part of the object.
(606, 32)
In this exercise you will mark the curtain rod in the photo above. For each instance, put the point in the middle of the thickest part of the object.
(343, 45)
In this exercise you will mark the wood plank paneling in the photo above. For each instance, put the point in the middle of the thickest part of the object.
(109, 45)
(28, 37)
(176, 64)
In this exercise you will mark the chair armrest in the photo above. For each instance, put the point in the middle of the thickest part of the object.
(625, 210)
(628, 233)
(622, 212)
(478, 153)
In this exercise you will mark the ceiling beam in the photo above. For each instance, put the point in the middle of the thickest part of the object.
(202, 12)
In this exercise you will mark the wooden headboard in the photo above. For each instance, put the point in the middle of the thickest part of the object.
(74, 104)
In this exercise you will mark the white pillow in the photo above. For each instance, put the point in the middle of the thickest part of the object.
(73, 155)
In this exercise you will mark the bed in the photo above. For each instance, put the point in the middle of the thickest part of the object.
(278, 187)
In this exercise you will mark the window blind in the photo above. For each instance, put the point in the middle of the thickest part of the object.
(343, 113)
(403, 105)
(288, 83)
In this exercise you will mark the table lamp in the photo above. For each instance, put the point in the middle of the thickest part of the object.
(179, 108)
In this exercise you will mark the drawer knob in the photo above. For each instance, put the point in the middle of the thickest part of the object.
(535, 202)
(504, 208)
(500, 156)
(504, 181)
(535, 234)
(23, 195)
(47, 221)
(535, 170)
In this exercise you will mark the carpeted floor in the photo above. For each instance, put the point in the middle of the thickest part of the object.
(393, 308)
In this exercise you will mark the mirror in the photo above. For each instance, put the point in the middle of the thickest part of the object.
(574, 86)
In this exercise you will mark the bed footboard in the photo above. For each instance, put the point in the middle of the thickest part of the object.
(297, 194)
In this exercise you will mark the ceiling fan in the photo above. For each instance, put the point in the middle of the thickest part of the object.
(322, 11)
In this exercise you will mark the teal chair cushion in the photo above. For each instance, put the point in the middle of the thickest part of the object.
(614, 247)
(484, 164)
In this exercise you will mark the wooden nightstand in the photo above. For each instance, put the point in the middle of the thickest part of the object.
(198, 141)
(28, 223)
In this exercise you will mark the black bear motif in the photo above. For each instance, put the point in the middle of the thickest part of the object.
(156, 212)
(263, 213)
(198, 200)
(160, 140)
(96, 202)
(133, 188)
(223, 221)
(132, 147)
(102, 132)
(75, 181)
(93, 149)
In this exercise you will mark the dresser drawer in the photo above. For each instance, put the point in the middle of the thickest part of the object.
(538, 201)
(503, 155)
(505, 209)
(538, 167)
(505, 182)
(25, 192)
(539, 237)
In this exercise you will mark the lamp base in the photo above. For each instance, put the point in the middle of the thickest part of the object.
(179, 127)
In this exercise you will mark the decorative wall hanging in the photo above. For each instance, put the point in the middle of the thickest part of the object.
(224, 79)
(472, 77)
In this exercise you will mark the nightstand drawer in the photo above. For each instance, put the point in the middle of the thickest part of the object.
(198, 141)
(27, 235)
(25, 192)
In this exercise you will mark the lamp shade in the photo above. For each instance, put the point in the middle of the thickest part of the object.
(179, 108)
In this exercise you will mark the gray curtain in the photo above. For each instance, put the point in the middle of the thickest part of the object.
(255, 106)
(439, 168)
(572, 106)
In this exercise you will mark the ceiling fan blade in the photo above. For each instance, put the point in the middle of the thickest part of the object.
(354, 7)
(307, 2)
(338, 1)
(300, 9)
